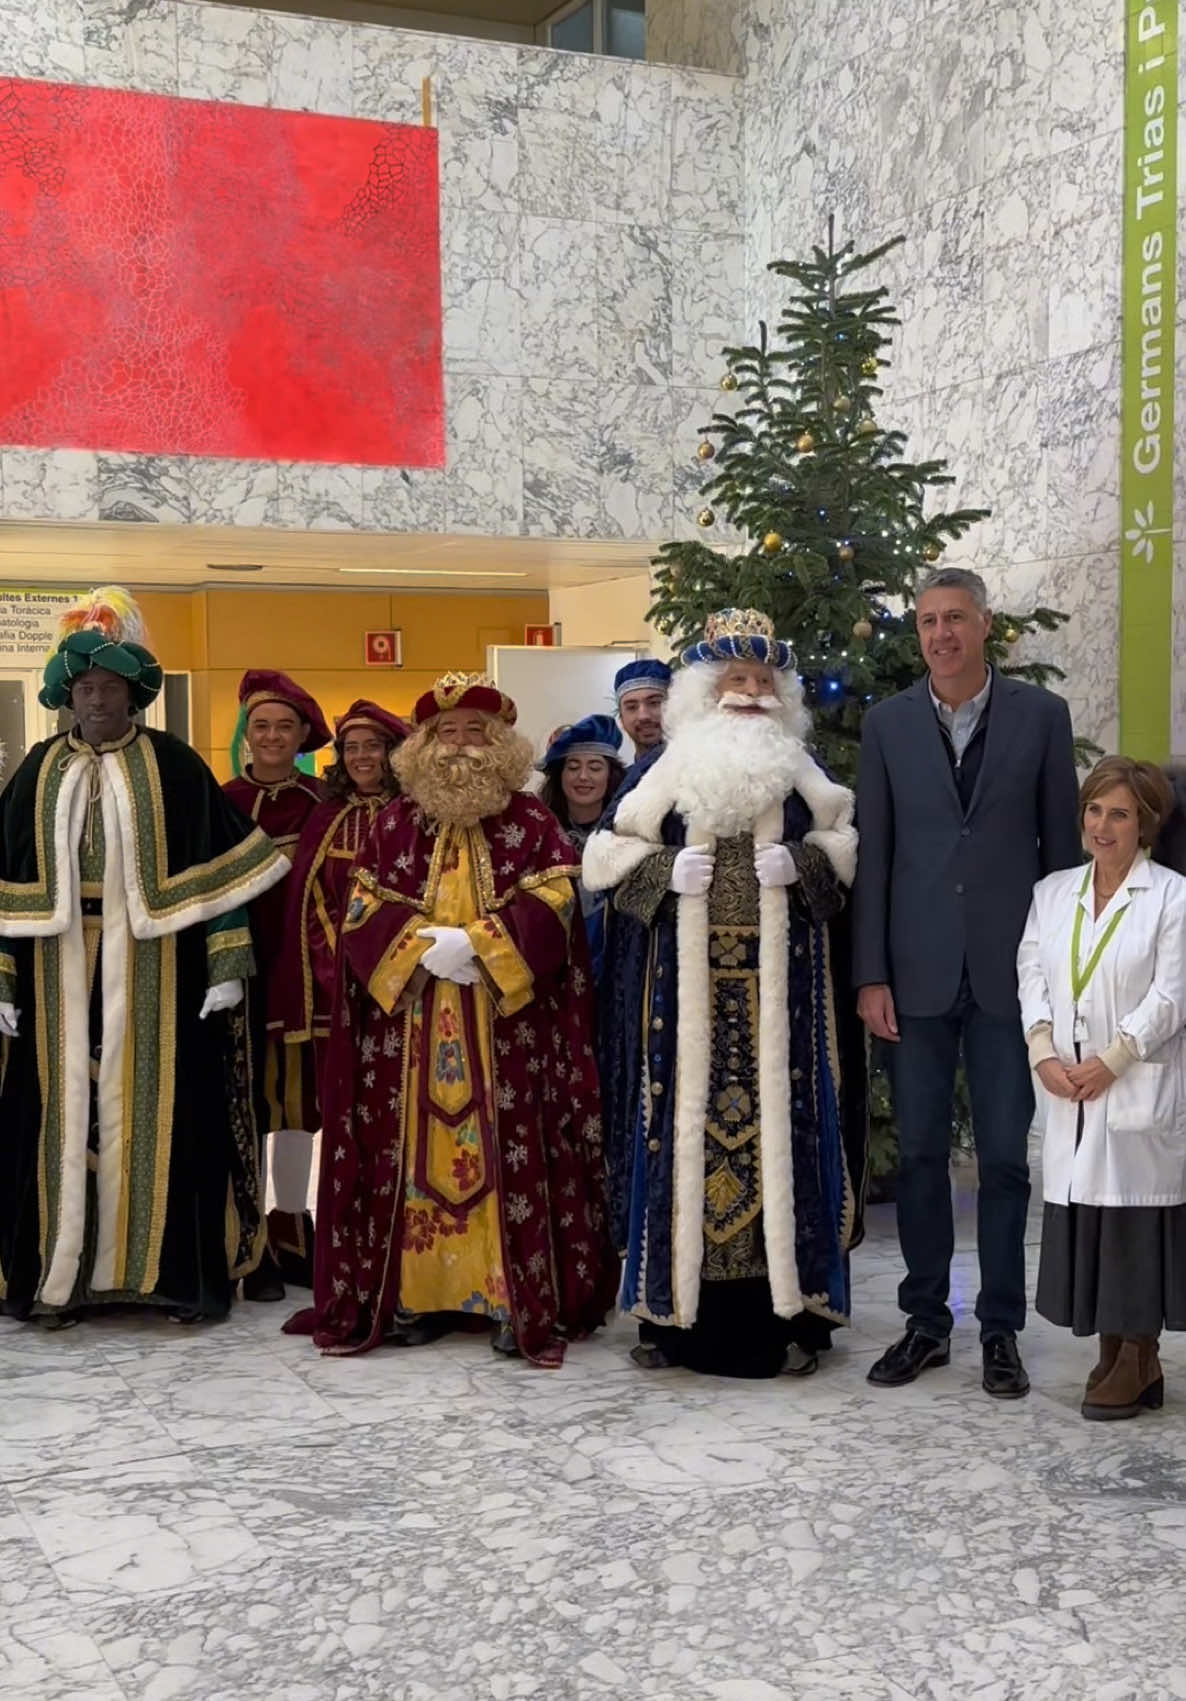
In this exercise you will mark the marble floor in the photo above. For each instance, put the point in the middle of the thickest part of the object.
(227, 1515)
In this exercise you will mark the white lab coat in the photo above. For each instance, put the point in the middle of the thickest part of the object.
(1133, 1149)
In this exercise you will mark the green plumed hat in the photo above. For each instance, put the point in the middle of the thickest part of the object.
(105, 629)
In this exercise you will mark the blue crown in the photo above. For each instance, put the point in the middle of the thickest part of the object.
(741, 634)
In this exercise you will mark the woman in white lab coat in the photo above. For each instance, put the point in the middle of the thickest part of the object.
(1102, 977)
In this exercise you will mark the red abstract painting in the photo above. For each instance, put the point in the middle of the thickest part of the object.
(199, 278)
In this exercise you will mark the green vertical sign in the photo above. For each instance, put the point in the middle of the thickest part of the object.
(1147, 422)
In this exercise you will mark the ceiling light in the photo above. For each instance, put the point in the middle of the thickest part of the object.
(234, 566)
(439, 572)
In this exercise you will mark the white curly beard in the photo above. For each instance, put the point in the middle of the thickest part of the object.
(727, 768)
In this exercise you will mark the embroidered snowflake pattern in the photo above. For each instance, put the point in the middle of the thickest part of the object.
(368, 1079)
(512, 835)
(369, 1048)
(518, 1207)
(390, 1043)
(579, 983)
(404, 862)
(507, 868)
(536, 1265)
(505, 1096)
(516, 1155)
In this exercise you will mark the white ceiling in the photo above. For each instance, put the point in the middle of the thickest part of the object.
(188, 558)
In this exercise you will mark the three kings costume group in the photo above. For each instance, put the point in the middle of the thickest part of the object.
(733, 1077)
(462, 1174)
(128, 1149)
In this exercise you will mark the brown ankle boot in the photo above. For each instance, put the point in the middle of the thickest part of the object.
(1109, 1347)
(1134, 1383)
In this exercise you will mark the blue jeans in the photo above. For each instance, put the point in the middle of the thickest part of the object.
(923, 1067)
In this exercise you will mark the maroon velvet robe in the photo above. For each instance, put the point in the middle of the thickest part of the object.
(289, 1080)
(540, 1114)
(317, 890)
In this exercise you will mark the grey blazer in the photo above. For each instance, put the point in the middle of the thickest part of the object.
(937, 889)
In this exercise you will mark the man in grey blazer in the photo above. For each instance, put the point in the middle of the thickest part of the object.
(966, 796)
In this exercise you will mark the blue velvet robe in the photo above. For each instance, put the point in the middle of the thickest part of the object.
(640, 1006)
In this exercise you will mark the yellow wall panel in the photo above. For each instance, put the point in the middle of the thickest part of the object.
(317, 636)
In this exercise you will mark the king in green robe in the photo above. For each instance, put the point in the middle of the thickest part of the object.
(128, 1150)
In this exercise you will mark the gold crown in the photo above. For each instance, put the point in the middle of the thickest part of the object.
(739, 623)
(451, 687)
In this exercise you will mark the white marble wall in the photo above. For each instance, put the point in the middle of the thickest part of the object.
(991, 137)
(707, 33)
(592, 236)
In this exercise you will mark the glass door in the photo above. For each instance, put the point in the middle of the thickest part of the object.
(22, 719)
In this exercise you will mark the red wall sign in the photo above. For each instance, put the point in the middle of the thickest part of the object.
(384, 649)
(203, 278)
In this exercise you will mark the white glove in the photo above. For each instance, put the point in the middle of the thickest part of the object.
(774, 865)
(225, 996)
(450, 956)
(9, 1018)
(691, 872)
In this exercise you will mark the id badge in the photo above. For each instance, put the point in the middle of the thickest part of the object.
(1080, 1029)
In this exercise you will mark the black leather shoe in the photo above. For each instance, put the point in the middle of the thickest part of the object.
(908, 1358)
(265, 1284)
(1004, 1373)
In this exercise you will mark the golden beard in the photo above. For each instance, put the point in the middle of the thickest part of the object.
(463, 786)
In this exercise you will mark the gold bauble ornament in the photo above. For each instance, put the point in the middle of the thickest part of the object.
(705, 517)
(729, 381)
(842, 405)
(706, 450)
(867, 428)
(1011, 634)
(846, 552)
(806, 443)
(932, 552)
(870, 366)
(862, 629)
(772, 543)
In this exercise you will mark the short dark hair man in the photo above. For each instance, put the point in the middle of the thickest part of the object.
(966, 796)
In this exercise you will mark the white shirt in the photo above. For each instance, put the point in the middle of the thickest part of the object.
(960, 724)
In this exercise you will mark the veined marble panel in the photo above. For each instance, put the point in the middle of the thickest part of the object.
(47, 40)
(482, 296)
(50, 484)
(562, 452)
(131, 46)
(560, 283)
(636, 424)
(634, 317)
(484, 477)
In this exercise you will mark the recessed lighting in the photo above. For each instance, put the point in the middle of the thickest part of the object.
(234, 566)
(438, 572)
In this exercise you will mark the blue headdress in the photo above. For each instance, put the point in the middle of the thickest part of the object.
(643, 674)
(741, 634)
(596, 735)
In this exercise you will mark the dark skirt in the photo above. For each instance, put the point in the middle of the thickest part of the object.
(1113, 1269)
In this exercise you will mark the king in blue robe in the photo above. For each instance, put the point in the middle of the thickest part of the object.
(736, 1110)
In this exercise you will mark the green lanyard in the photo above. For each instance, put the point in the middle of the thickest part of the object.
(1081, 978)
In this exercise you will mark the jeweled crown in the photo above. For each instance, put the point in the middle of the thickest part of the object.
(739, 623)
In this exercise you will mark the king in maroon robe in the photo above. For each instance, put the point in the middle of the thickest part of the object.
(462, 1167)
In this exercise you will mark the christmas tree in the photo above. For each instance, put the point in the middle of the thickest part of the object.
(834, 520)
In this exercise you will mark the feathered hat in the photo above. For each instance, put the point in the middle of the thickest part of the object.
(104, 629)
(741, 634)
